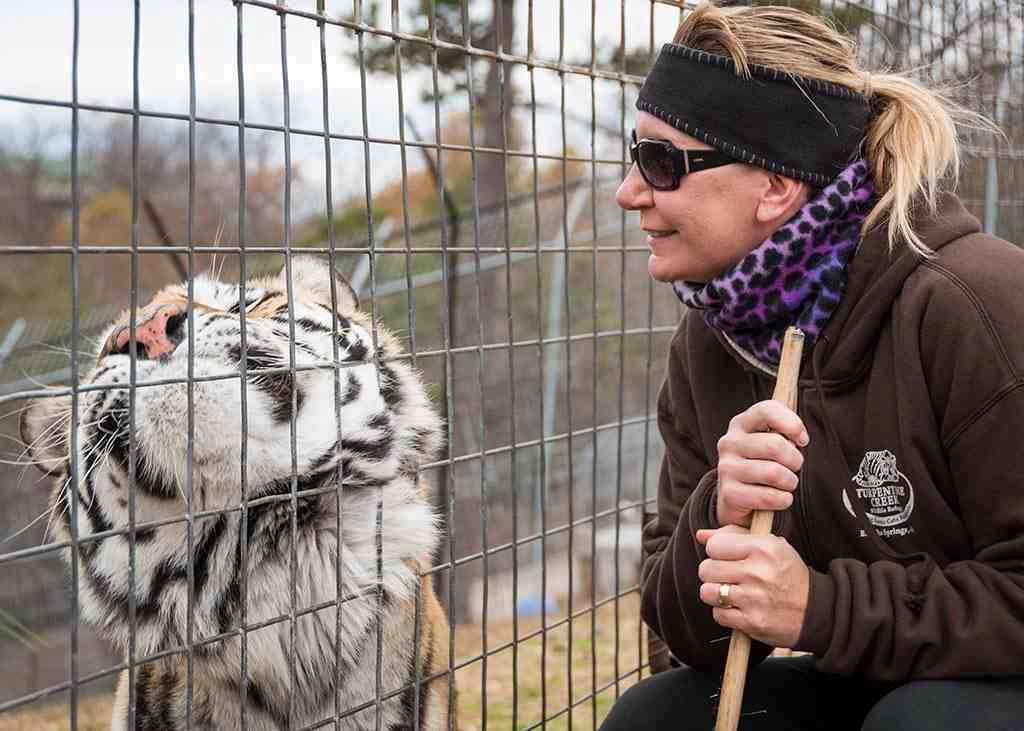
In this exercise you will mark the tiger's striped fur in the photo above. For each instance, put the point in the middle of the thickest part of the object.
(271, 563)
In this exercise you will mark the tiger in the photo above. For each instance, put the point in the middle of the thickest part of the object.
(338, 502)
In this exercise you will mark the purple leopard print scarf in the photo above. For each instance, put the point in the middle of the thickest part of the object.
(796, 277)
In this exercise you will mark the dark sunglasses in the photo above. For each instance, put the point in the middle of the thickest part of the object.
(663, 165)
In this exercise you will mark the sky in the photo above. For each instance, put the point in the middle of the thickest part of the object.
(37, 42)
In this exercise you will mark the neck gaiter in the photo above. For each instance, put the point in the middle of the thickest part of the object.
(795, 277)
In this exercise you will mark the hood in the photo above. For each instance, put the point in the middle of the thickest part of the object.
(876, 278)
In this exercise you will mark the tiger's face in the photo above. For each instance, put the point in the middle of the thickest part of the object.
(198, 423)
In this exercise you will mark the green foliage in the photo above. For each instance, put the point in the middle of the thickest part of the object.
(379, 53)
(350, 222)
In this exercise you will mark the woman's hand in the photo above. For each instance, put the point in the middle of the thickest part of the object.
(769, 583)
(758, 462)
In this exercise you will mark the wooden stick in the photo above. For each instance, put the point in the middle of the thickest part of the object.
(731, 699)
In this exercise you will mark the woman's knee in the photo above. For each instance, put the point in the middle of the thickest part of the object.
(682, 698)
(897, 709)
(983, 705)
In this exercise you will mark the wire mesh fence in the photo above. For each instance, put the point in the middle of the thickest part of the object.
(457, 162)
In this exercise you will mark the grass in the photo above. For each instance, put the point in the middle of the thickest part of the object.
(508, 678)
(93, 715)
(535, 700)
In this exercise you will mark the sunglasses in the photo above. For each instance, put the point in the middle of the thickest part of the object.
(663, 165)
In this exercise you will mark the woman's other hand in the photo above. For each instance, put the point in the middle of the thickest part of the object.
(758, 462)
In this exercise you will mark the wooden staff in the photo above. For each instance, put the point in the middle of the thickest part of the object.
(731, 698)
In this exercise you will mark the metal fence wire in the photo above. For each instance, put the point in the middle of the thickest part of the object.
(457, 161)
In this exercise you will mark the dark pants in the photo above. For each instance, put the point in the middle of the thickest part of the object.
(788, 693)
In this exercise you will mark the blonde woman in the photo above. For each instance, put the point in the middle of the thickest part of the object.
(781, 184)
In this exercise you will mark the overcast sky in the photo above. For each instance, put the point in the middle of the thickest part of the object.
(37, 41)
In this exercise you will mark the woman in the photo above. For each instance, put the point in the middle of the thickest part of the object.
(782, 185)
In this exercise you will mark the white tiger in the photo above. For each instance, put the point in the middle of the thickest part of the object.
(242, 559)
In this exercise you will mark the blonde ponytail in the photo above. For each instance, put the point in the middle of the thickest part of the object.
(913, 148)
(912, 143)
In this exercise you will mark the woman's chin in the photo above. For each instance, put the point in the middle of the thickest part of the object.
(662, 271)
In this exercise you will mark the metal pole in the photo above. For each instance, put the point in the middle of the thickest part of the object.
(992, 178)
(11, 339)
(555, 300)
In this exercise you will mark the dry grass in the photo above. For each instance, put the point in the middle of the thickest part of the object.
(93, 715)
(513, 673)
(549, 700)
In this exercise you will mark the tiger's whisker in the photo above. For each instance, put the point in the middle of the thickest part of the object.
(27, 527)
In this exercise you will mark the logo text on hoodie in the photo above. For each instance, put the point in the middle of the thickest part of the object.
(885, 493)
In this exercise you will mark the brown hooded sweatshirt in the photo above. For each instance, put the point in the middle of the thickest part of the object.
(910, 508)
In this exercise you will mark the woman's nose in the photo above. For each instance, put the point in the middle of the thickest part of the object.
(634, 193)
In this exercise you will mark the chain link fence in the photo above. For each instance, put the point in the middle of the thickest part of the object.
(457, 160)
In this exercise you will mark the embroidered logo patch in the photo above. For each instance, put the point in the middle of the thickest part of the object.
(884, 491)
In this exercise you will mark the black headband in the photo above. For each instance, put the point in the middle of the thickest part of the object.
(800, 127)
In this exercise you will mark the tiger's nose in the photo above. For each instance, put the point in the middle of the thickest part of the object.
(157, 336)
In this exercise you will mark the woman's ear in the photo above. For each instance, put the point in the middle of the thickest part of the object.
(45, 426)
(781, 197)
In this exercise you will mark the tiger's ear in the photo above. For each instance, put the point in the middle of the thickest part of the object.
(45, 428)
(312, 276)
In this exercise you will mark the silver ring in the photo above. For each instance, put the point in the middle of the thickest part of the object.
(723, 596)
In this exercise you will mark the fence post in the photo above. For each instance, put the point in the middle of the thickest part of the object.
(992, 178)
(11, 339)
